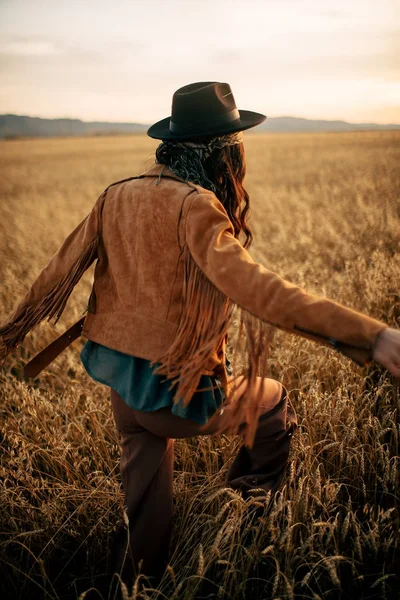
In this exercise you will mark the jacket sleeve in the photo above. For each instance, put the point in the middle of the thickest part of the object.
(49, 293)
(263, 293)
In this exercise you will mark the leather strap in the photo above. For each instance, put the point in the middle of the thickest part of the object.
(48, 354)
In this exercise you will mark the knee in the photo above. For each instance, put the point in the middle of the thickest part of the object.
(273, 393)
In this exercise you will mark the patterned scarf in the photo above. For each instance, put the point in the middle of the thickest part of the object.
(186, 159)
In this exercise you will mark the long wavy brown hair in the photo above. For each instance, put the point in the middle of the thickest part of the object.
(225, 170)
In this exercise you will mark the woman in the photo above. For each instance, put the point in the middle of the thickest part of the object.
(170, 271)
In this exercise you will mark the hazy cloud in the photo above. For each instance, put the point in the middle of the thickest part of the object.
(24, 46)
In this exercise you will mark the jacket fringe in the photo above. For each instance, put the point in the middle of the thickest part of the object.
(201, 329)
(206, 314)
(51, 305)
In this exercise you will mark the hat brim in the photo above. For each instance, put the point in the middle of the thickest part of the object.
(248, 119)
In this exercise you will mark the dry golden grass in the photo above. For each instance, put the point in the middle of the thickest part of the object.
(325, 213)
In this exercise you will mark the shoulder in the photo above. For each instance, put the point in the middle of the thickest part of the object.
(155, 179)
(200, 197)
(121, 182)
(204, 209)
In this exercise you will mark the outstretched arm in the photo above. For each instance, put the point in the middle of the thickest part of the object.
(263, 293)
(50, 291)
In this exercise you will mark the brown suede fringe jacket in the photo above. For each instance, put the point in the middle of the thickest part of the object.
(168, 277)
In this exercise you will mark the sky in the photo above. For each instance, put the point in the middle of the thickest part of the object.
(122, 60)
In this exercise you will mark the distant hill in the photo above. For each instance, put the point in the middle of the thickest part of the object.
(21, 126)
(295, 124)
(14, 126)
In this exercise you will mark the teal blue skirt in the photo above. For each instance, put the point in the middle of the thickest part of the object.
(133, 379)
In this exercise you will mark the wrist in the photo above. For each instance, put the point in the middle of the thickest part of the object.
(377, 341)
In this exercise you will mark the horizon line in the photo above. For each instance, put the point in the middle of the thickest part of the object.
(144, 124)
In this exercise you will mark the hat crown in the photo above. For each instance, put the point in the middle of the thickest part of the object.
(213, 92)
(198, 104)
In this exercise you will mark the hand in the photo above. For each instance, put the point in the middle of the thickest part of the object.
(387, 350)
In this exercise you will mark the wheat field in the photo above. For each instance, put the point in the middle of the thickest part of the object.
(325, 215)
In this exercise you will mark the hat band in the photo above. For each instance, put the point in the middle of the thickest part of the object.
(223, 119)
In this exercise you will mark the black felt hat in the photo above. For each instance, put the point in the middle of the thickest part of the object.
(204, 109)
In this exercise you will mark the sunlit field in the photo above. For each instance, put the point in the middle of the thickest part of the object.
(326, 216)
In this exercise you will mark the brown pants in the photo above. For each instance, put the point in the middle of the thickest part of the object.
(147, 471)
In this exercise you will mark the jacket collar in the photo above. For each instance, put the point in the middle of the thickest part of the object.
(161, 171)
